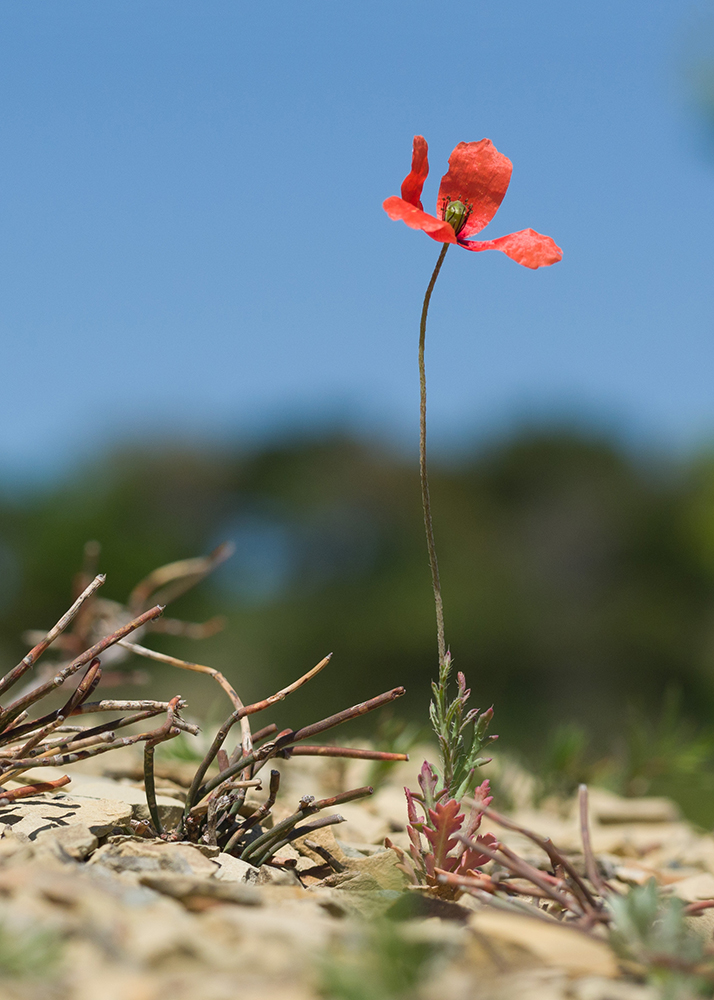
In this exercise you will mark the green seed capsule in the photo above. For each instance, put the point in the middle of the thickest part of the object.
(455, 215)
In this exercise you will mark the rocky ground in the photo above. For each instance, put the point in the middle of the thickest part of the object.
(90, 910)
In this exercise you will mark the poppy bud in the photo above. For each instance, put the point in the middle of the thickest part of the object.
(455, 214)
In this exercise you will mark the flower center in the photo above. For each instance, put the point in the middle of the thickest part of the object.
(456, 214)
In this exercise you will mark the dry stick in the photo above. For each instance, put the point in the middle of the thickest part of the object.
(353, 752)
(236, 716)
(152, 654)
(39, 736)
(90, 707)
(295, 834)
(547, 845)
(20, 704)
(128, 720)
(164, 733)
(31, 658)
(520, 867)
(150, 787)
(511, 905)
(16, 721)
(346, 714)
(230, 786)
(547, 883)
(692, 909)
(308, 805)
(189, 630)
(177, 577)
(590, 863)
(59, 760)
(78, 696)
(26, 790)
(488, 885)
(286, 739)
(258, 815)
(87, 740)
(331, 860)
(423, 475)
(42, 727)
(259, 706)
(263, 733)
(38, 757)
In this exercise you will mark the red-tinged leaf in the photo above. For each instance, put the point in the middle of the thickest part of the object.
(414, 838)
(427, 782)
(403, 863)
(483, 801)
(416, 848)
(471, 860)
(464, 692)
(408, 871)
(446, 821)
(411, 807)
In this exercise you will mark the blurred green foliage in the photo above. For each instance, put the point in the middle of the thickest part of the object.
(380, 964)
(650, 931)
(578, 580)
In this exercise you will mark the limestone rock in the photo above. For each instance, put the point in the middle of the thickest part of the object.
(607, 808)
(31, 816)
(91, 787)
(232, 869)
(695, 887)
(73, 842)
(549, 943)
(268, 875)
(195, 893)
(144, 856)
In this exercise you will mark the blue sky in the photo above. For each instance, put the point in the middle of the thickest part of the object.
(192, 241)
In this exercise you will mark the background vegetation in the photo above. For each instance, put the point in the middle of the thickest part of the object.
(578, 583)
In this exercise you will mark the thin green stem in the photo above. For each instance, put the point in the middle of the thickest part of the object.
(423, 475)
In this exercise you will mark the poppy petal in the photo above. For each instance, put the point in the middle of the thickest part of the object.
(397, 208)
(411, 188)
(526, 247)
(478, 176)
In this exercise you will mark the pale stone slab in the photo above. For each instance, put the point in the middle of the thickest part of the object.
(144, 856)
(608, 808)
(552, 944)
(695, 887)
(76, 841)
(91, 787)
(31, 816)
(234, 870)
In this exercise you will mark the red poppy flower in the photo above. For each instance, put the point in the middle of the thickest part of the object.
(469, 196)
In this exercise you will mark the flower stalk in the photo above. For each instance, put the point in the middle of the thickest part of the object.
(423, 473)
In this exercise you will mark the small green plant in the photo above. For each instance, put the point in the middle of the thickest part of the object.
(650, 931)
(24, 954)
(442, 839)
(382, 964)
